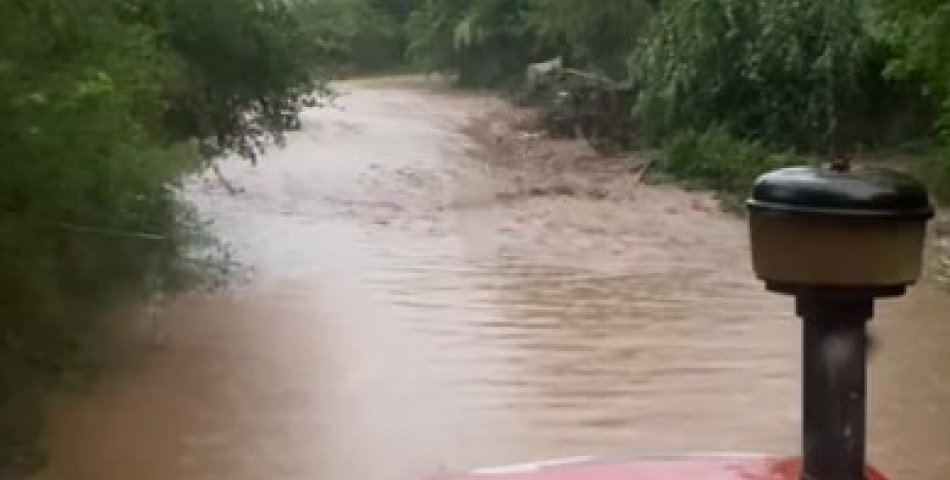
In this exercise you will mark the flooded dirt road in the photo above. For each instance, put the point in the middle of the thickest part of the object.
(420, 303)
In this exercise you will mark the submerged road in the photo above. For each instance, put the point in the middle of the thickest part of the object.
(407, 315)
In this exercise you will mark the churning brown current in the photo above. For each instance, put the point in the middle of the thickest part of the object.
(422, 301)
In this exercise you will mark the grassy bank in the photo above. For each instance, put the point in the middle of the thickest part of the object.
(716, 161)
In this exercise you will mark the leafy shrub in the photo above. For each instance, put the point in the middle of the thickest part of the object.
(936, 172)
(919, 32)
(593, 35)
(785, 71)
(246, 68)
(715, 160)
(486, 42)
(97, 100)
(359, 36)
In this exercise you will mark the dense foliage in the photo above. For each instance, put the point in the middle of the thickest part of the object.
(246, 67)
(596, 35)
(714, 159)
(360, 36)
(919, 31)
(98, 100)
(786, 71)
(484, 42)
(489, 42)
(822, 77)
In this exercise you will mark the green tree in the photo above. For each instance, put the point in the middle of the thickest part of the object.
(783, 71)
(359, 35)
(97, 100)
(78, 95)
(598, 35)
(247, 68)
(399, 10)
(919, 32)
(485, 42)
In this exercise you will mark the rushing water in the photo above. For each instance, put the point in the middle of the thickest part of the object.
(403, 320)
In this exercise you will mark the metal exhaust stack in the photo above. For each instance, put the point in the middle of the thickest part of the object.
(837, 240)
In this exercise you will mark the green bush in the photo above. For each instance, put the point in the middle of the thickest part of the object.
(360, 36)
(98, 102)
(919, 33)
(713, 159)
(245, 68)
(485, 43)
(591, 35)
(936, 172)
(784, 71)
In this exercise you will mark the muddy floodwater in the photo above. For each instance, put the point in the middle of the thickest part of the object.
(416, 304)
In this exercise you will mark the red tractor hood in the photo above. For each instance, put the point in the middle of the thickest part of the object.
(692, 468)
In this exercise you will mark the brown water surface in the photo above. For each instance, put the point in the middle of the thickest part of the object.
(407, 316)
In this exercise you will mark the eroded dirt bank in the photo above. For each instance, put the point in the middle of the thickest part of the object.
(436, 287)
